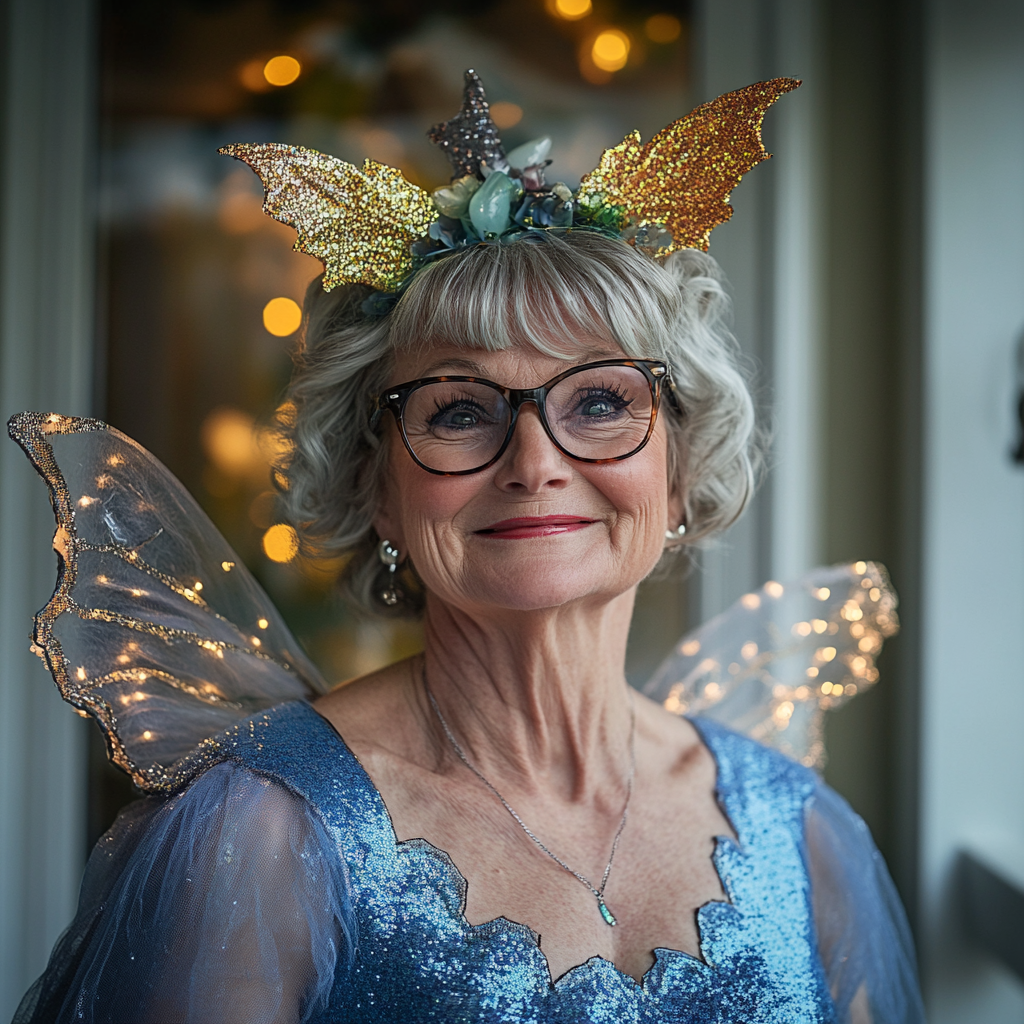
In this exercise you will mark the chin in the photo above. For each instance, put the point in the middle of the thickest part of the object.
(547, 585)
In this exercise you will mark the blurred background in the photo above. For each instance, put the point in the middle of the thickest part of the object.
(877, 266)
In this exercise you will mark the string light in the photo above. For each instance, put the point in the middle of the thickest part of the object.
(282, 316)
(282, 70)
(569, 10)
(610, 50)
(281, 543)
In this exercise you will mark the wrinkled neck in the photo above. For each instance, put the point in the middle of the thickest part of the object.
(537, 697)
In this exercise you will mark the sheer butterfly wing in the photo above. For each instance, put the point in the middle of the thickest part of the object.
(359, 222)
(683, 177)
(771, 665)
(155, 628)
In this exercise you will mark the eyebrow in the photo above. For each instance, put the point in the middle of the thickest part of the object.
(473, 369)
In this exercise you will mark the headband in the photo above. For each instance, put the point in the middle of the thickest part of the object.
(370, 225)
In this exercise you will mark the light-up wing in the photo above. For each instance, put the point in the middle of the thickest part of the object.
(773, 663)
(359, 222)
(155, 628)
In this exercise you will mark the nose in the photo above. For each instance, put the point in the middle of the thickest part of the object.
(531, 463)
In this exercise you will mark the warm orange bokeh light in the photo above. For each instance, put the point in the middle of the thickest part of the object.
(610, 50)
(241, 212)
(281, 543)
(282, 316)
(663, 28)
(570, 10)
(251, 76)
(230, 442)
(506, 115)
(282, 70)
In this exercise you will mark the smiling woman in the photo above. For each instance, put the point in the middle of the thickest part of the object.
(560, 300)
(498, 829)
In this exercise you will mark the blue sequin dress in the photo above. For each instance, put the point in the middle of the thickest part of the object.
(272, 889)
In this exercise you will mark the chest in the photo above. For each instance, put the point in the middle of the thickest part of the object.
(661, 873)
(420, 956)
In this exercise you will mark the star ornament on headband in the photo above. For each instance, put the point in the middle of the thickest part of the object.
(369, 225)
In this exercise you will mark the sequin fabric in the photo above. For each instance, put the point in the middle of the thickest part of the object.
(360, 222)
(418, 959)
(683, 177)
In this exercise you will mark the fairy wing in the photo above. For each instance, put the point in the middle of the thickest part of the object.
(683, 177)
(155, 627)
(358, 221)
(773, 664)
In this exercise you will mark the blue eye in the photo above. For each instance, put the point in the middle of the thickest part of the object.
(602, 403)
(460, 415)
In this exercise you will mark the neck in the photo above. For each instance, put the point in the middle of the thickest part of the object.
(536, 698)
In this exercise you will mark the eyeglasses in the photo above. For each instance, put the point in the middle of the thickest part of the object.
(598, 412)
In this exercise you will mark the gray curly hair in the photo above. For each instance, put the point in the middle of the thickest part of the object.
(547, 285)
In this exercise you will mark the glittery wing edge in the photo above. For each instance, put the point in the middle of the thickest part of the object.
(283, 669)
(772, 664)
(682, 179)
(359, 222)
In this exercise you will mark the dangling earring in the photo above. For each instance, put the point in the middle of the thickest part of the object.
(677, 534)
(388, 555)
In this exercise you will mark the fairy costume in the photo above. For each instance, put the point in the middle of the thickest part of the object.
(261, 879)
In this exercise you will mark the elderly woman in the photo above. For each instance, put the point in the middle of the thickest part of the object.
(499, 828)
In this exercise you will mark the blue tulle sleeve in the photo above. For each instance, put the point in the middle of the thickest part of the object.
(220, 904)
(863, 937)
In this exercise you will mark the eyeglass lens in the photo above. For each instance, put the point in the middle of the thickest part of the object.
(599, 412)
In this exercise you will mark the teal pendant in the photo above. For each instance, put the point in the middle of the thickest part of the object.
(609, 917)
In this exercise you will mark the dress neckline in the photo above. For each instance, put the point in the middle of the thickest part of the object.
(460, 884)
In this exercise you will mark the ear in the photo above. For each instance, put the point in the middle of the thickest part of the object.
(676, 508)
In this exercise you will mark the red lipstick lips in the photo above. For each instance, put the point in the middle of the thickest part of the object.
(534, 526)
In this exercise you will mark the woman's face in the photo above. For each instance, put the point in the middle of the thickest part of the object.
(537, 529)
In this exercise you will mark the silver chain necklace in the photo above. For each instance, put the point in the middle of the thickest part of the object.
(606, 914)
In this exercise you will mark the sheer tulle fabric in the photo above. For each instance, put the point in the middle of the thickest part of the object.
(226, 903)
(863, 937)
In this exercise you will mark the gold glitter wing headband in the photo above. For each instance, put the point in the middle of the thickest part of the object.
(371, 226)
(359, 222)
(682, 178)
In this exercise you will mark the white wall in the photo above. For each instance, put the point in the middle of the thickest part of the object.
(973, 672)
(771, 253)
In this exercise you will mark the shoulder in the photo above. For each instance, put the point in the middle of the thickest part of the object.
(752, 775)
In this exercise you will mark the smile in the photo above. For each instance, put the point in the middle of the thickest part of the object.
(534, 526)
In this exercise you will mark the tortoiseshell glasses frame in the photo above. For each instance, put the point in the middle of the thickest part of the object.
(654, 371)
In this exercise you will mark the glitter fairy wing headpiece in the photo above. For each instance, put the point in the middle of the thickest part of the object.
(371, 226)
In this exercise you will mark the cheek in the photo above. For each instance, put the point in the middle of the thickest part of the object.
(425, 504)
(638, 489)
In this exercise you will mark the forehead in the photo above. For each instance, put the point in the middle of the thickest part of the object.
(519, 365)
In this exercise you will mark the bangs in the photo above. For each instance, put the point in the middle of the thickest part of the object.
(554, 291)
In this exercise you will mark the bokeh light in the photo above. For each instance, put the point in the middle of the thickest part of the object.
(506, 115)
(570, 10)
(663, 28)
(282, 316)
(282, 70)
(251, 76)
(610, 50)
(229, 441)
(281, 543)
(240, 212)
